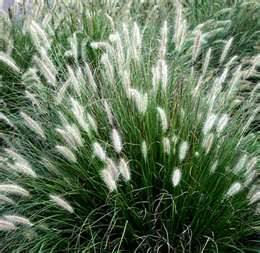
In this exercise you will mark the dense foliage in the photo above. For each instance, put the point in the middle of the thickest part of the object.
(129, 126)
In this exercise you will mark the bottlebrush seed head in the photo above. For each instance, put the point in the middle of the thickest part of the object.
(183, 150)
(176, 177)
(124, 170)
(5, 199)
(66, 153)
(240, 165)
(163, 119)
(16, 219)
(208, 125)
(33, 125)
(222, 123)
(166, 145)
(141, 100)
(92, 122)
(5, 118)
(144, 150)
(61, 203)
(225, 50)
(214, 167)
(234, 189)
(99, 151)
(108, 180)
(14, 189)
(208, 142)
(117, 142)
(6, 225)
(6, 59)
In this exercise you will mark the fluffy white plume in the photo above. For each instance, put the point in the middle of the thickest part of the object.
(78, 111)
(14, 189)
(99, 151)
(16, 219)
(112, 167)
(234, 189)
(45, 70)
(108, 180)
(61, 92)
(124, 169)
(39, 36)
(164, 33)
(250, 177)
(109, 69)
(66, 153)
(255, 197)
(144, 150)
(252, 163)
(33, 125)
(225, 50)
(6, 225)
(74, 81)
(8, 121)
(240, 165)
(108, 112)
(209, 123)
(92, 122)
(5, 199)
(163, 119)
(196, 45)
(141, 100)
(90, 77)
(73, 133)
(180, 28)
(183, 150)
(22, 167)
(222, 123)
(163, 73)
(166, 145)
(206, 62)
(116, 139)
(136, 42)
(208, 142)
(214, 167)
(176, 177)
(9, 61)
(62, 203)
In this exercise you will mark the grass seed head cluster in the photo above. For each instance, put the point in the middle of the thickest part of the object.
(129, 141)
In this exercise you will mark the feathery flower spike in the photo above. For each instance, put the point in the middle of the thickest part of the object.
(163, 118)
(6, 225)
(222, 122)
(208, 125)
(108, 180)
(9, 62)
(33, 125)
(67, 153)
(176, 177)
(183, 150)
(166, 145)
(225, 50)
(144, 150)
(61, 203)
(124, 170)
(117, 142)
(99, 151)
(233, 189)
(14, 189)
(16, 219)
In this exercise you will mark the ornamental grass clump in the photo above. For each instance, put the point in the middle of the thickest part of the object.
(139, 151)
